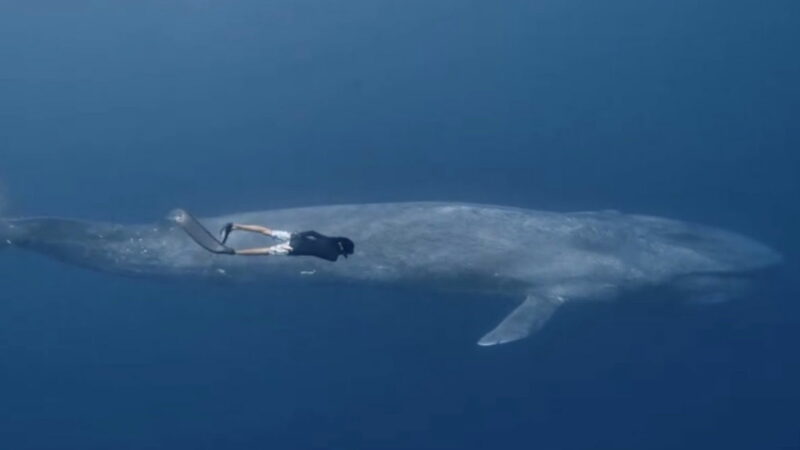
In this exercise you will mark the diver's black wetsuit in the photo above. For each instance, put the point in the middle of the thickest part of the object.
(304, 243)
(311, 243)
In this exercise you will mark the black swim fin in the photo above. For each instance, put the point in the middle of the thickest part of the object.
(224, 232)
(199, 233)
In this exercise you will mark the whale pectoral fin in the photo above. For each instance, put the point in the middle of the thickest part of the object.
(529, 317)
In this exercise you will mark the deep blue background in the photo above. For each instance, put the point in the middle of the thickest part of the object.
(123, 110)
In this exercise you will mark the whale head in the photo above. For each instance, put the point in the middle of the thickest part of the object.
(716, 250)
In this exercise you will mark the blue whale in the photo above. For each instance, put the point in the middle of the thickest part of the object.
(542, 258)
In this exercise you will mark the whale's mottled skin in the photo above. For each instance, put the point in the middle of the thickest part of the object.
(544, 257)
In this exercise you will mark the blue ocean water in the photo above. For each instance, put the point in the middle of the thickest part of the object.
(121, 111)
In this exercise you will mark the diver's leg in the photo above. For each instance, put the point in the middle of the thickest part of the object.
(280, 249)
(252, 228)
(277, 234)
(228, 227)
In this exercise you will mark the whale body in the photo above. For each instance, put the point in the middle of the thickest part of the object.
(543, 258)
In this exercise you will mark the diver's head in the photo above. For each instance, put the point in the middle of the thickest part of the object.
(346, 246)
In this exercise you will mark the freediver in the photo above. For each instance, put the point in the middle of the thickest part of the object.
(303, 243)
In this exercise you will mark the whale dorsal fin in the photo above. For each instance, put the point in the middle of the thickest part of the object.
(529, 317)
